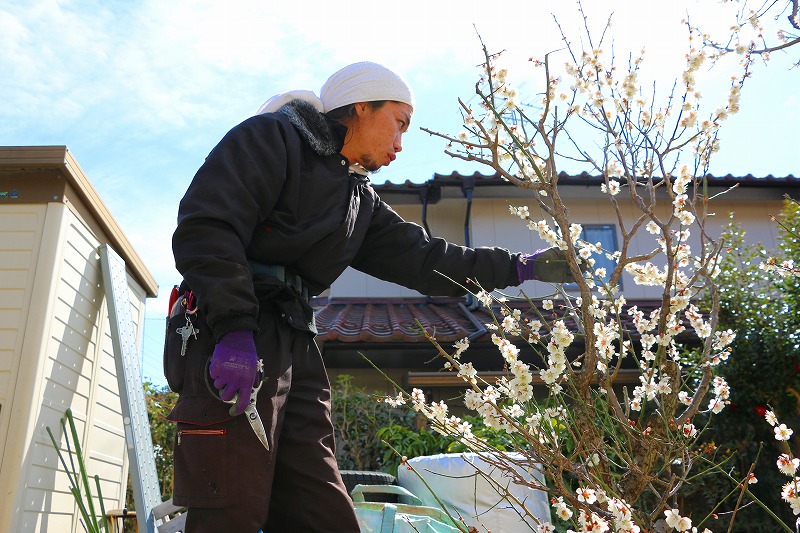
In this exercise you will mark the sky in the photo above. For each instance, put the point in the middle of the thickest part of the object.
(141, 91)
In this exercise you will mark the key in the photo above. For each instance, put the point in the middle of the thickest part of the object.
(185, 332)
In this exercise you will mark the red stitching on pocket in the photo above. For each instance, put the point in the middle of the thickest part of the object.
(201, 432)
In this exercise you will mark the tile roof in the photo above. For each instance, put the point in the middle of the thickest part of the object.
(392, 320)
(584, 178)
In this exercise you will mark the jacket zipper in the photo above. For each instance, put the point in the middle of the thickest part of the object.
(200, 432)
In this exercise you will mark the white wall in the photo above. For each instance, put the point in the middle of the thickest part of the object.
(493, 225)
(65, 361)
(20, 233)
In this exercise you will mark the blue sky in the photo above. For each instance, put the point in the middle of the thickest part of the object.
(140, 91)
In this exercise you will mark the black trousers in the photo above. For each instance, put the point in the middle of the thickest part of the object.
(226, 477)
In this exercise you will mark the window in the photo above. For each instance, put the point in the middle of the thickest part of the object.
(606, 236)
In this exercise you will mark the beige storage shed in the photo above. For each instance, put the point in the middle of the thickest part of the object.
(56, 348)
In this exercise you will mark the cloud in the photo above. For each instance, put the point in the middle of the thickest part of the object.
(51, 55)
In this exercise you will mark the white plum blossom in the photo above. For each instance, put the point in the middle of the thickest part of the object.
(663, 385)
(636, 403)
(701, 327)
(623, 518)
(468, 373)
(561, 334)
(460, 346)
(592, 523)
(788, 465)
(439, 410)
(575, 231)
(490, 395)
(782, 432)
(417, 397)
(715, 405)
(515, 411)
(612, 188)
(614, 169)
(463, 428)
(549, 375)
(473, 399)
(679, 203)
(586, 250)
(647, 275)
(643, 324)
(617, 102)
(686, 218)
(485, 298)
(680, 183)
(520, 388)
(676, 521)
(507, 349)
(771, 418)
(653, 228)
(395, 401)
(586, 495)
(547, 234)
(791, 494)
(723, 339)
(784, 269)
(561, 508)
(522, 211)
(510, 325)
(605, 335)
(721, 388)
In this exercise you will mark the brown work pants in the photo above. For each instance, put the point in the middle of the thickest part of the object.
(226, 477)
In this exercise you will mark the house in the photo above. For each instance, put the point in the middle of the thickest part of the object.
(363, 317)
(56, 350)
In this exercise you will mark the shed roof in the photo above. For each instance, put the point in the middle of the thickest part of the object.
(30, 159)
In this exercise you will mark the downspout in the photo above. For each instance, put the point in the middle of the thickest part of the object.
(467, 186)
(424, 198)
(468, 194)
(431, 193)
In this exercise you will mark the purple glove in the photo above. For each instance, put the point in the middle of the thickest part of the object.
(549, 265)
(234, 366)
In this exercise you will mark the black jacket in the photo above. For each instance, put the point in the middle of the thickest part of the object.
(277, 190)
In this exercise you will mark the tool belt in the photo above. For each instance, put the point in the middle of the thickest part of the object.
(188, 333)
(282, 274)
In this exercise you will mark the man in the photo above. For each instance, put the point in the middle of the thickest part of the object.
(279, 209)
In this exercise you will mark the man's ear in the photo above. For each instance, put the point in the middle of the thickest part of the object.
(362, 109)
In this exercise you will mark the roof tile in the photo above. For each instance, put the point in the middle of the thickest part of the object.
(383, 320)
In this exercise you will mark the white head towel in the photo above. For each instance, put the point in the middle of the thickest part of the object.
(359, 82)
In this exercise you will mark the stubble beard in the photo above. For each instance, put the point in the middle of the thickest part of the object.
(368, 162)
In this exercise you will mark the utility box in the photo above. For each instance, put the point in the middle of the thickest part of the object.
(55, 343)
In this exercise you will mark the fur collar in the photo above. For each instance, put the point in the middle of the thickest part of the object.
(314, 127)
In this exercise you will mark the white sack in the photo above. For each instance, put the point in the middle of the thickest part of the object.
(457, 481)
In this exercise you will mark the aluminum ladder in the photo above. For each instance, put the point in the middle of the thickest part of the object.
(144, 478)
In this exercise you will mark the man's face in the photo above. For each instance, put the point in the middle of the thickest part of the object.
(374, 135)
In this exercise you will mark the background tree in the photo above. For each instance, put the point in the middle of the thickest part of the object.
(763, 373)
(357, 419)
(159, 401)
(753, 34)
(613, 461)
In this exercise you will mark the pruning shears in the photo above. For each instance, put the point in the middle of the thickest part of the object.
(250, 411)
